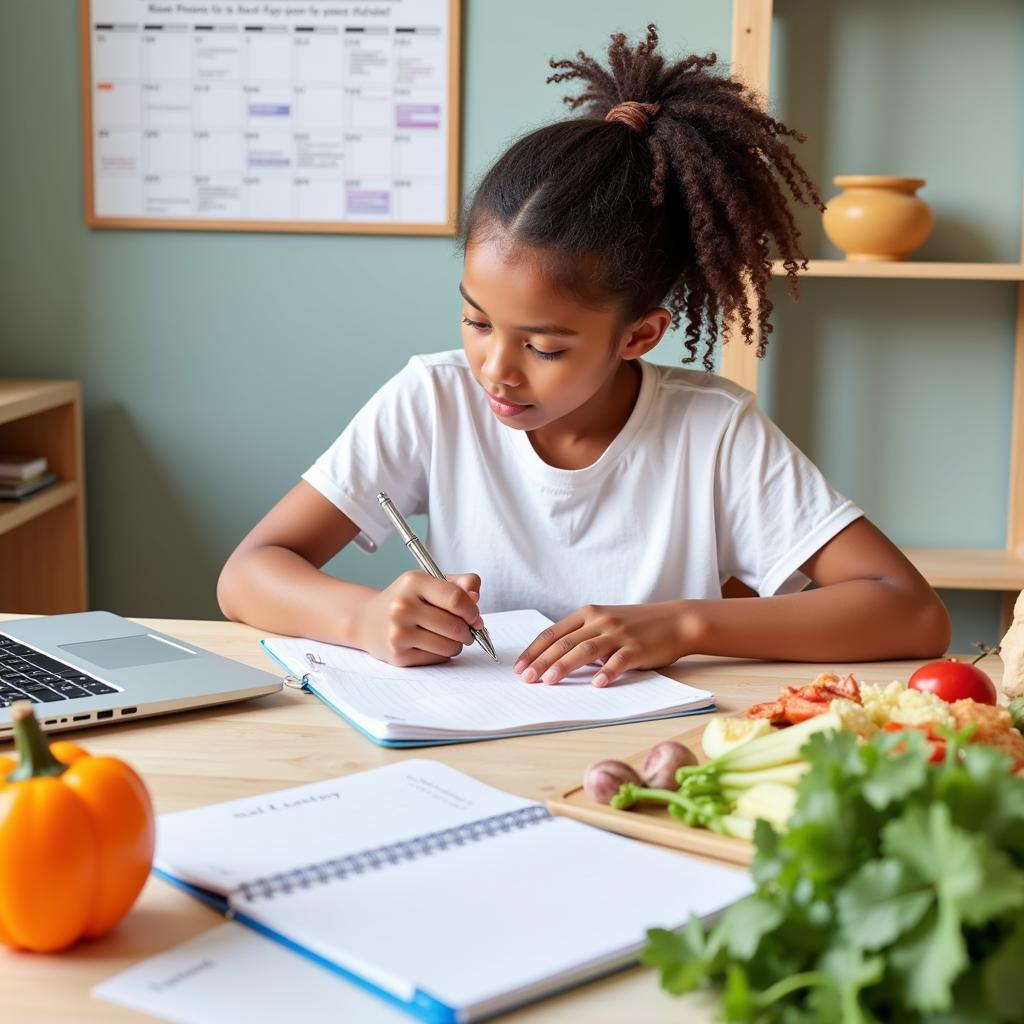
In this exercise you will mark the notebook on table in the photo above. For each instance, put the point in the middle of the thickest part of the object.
(471, 697)
(444, 896)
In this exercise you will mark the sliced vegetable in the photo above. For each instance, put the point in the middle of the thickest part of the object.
(778, 747)
(722, 734)
(768, 801)
(786, 774)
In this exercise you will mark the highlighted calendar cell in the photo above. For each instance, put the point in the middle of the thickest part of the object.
(417, 115)
(367, 201)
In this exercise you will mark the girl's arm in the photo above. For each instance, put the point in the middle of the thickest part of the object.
(273, 580)
(871, 605)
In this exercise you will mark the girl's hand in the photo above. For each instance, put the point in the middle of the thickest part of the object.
(419, 620)
(621, 636)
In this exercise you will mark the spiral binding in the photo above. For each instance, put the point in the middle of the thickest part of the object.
(377, 858)
(295, 682)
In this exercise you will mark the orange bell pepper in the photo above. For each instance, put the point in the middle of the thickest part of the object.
(76, 841)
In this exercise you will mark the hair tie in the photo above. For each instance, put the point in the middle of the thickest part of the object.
(637, 115)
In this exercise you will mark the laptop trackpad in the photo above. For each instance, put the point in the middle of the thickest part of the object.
(127, 651)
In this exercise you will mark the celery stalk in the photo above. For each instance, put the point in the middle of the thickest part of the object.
(786, 774)
(781, 747)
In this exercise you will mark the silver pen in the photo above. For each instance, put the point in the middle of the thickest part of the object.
(427, 564)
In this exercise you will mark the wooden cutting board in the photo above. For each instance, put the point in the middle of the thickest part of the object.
(652, 822)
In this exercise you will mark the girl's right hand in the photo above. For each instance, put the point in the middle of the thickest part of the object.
(419, 620)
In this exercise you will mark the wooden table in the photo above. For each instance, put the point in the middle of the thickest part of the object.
(201, 757)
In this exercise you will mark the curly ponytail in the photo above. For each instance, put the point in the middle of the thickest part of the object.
(663, 192)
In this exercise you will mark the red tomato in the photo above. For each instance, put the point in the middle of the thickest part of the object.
(952, 680)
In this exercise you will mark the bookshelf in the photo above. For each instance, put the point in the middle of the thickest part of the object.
(1002, 569)
(42, 537)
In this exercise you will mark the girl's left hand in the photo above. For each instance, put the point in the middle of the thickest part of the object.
(623, 637)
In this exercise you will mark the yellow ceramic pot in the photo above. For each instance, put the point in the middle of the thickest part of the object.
(877, 217)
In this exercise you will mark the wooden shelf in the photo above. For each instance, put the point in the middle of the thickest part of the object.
(908, 269)
(14, 513)
(42, 538)
(992, 570)
(20, 398)
(969, 568)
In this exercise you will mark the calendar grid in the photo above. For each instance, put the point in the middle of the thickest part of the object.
(313, 116)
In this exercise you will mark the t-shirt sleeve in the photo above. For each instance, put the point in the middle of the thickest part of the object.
(386, 447)
(773, 507)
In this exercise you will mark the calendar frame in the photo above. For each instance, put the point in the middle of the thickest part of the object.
(447, 227)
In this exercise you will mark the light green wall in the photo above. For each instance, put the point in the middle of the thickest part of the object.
(217, 366)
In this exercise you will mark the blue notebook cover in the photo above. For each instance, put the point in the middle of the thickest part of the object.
(423, 1006)
(309, 687)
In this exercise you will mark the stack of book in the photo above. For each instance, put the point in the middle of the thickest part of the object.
(22, 475)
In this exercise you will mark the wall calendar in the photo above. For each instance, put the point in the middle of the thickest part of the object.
(318, 115)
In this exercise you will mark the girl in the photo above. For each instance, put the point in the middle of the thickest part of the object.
(561, 467)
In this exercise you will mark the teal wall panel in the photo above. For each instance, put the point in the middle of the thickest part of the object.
(217, 366)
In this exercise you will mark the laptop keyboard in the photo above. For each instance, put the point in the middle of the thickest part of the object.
(25, 674)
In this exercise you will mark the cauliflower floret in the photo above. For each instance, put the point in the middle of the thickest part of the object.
(854, 717)
(916, 708)
(893, 702)
(881, 700)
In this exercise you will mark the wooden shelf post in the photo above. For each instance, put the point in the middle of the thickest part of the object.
(751, 64)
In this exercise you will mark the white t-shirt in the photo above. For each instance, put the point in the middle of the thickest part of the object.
(699, 485)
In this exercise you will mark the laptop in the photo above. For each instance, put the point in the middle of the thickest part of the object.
(91, 668)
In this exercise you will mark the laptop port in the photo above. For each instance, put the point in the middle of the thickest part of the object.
(81, 718)
(50, 721)
(104, 714)
(128, 711)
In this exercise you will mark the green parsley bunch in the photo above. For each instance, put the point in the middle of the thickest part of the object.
(896, 895)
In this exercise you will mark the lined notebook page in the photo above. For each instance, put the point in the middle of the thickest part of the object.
(481, 925)
(471, 694)
(222, 846)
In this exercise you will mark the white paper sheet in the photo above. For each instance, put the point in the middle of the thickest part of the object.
(231, 973)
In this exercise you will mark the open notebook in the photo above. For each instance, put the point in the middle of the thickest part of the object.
(442, 895)
(472, 698)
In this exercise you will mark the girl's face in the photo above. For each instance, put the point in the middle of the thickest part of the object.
(539, 354)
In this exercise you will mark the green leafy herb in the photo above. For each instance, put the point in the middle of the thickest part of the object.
(897, 894)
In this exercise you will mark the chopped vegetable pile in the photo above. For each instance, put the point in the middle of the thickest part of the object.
(756, 762)
(751, 780)
(896, 893)
(864, 708)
